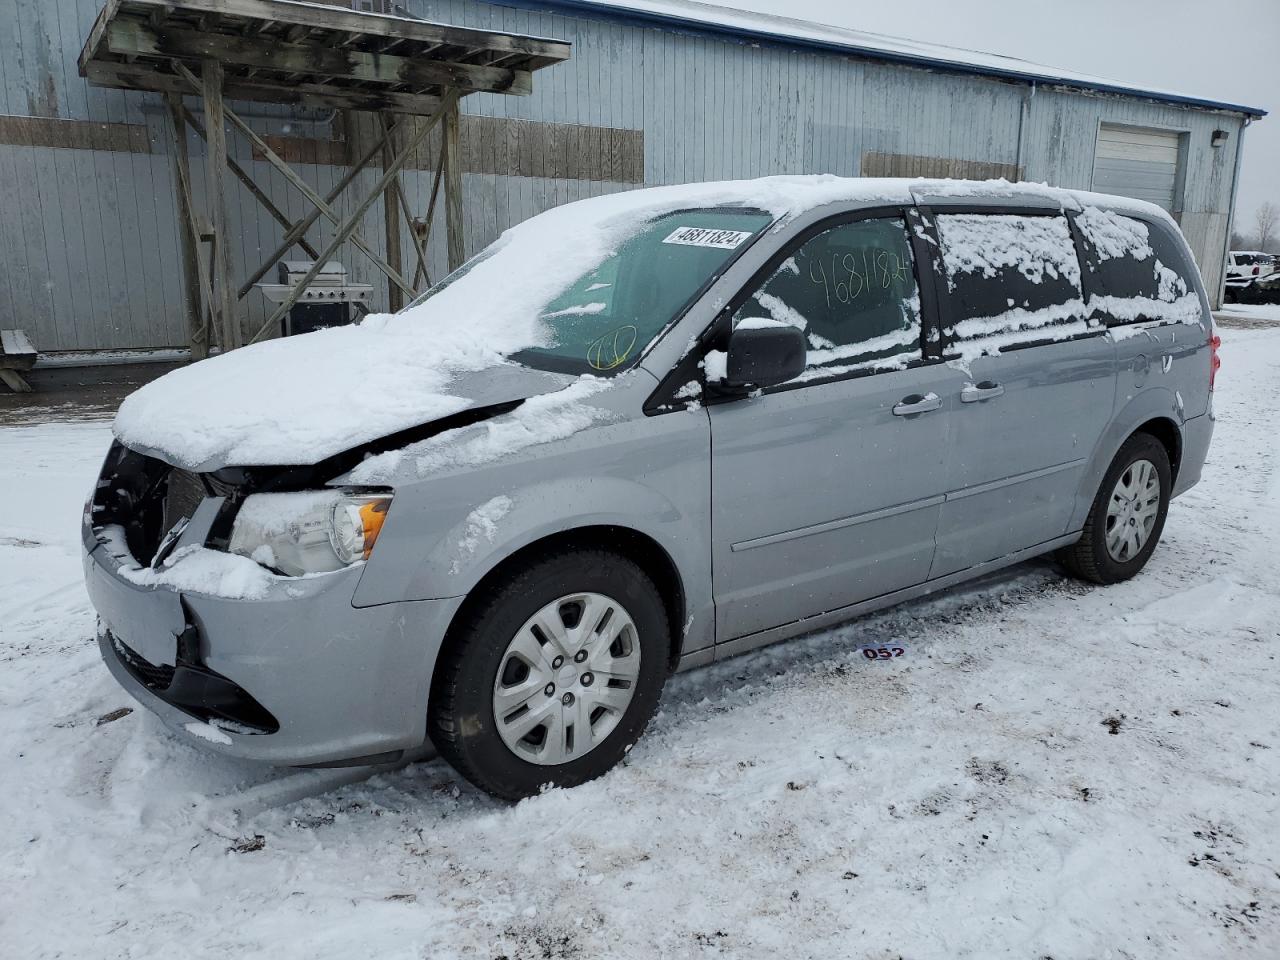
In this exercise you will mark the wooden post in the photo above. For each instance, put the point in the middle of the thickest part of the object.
(216, 163)
(299, 229)
(453, 186)
(276, 213)
(197, 330)
(391, 216)
(347, 226)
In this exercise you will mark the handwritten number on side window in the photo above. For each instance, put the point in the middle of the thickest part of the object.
(848, 275)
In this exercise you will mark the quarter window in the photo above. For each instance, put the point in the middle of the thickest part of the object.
(1137, 270)
(1011, 279)
(852, 290)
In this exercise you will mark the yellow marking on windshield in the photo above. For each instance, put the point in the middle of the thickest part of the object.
(612, 349)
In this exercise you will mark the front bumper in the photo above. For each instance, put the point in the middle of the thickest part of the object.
(335, 681)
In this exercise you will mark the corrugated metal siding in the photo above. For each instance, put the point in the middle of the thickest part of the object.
(1059, 143)
(89, 246)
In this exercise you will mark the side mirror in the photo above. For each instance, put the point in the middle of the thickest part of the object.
(764, 353)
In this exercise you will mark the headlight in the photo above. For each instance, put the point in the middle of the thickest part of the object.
(299, 533)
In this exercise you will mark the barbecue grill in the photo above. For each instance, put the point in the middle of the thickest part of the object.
(326, 302)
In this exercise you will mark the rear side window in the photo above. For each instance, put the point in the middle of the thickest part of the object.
(1011, 280)
(852, 290)
(1138, 272)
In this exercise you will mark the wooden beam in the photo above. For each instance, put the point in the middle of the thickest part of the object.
(197, 329)
(303, 225)
(14, 381)
(305, 188)
(123, 76)
(398, 185)
(223, 302)
(431, 209)
(247, 179)
(99, 30)
(453, 188)
(391, 219)
(131, 37)
(350, 21)
(348, 226)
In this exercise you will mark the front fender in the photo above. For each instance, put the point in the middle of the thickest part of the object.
(650, 475)
(505, 524)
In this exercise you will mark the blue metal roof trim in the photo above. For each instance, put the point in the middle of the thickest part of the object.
(646, 18)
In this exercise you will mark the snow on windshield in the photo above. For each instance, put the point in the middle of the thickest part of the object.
(301, 399)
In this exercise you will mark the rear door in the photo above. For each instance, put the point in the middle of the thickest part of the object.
(1141, 284)
(826, 490)
(1033, 381)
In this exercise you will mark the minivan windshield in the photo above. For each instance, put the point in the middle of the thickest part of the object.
(602, 321)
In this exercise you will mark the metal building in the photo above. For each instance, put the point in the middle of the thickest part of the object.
(655, 92)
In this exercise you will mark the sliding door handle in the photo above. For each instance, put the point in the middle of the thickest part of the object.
(917, 403)
(986, 390)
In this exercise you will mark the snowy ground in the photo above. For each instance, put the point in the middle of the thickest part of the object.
(1052, 770)
(1253, 315)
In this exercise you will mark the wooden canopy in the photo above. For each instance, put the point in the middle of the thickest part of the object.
(412, 72)
(308, 54)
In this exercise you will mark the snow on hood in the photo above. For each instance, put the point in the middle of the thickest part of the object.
(298, 400)
(301, 399)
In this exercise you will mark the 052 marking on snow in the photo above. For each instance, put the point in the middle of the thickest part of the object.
(883, 653)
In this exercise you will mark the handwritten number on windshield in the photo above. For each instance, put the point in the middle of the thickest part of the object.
(612, 349)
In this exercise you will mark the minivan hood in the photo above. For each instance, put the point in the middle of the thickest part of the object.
(297, 401)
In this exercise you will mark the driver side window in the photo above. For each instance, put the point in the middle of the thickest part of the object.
(852, 290)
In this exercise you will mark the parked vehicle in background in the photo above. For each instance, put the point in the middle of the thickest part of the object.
(1251, 277)
(1249, 263)
(637, 434)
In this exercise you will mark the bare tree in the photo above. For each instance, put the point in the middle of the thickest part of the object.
(1265, 221)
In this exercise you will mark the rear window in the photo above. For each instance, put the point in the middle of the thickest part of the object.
(1138, 271)
(1011, 279)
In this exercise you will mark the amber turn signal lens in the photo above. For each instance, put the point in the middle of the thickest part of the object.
(372, 515)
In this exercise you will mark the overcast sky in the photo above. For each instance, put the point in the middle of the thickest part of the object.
(1221, 49)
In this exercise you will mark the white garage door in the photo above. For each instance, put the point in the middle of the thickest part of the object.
(1139, 163)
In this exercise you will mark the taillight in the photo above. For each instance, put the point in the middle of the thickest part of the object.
(1256, 270)
(1215, 361)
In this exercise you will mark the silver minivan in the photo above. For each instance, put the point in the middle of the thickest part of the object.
(637, 434)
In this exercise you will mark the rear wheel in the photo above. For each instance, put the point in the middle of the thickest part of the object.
(1128, 514)
(553, 675)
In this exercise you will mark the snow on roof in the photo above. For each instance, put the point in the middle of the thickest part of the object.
(769, 28)
(300, 399)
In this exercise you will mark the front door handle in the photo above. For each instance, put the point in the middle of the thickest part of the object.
(917, 403)
(986, 390)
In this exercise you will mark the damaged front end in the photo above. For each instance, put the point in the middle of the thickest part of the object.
(217, 589)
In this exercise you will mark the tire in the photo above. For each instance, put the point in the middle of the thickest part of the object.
(498, 633)
(1106, 553)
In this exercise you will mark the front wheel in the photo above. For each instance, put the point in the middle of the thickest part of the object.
(553, 675)
(1127, 516)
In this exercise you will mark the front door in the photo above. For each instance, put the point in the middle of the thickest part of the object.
(826, 491)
